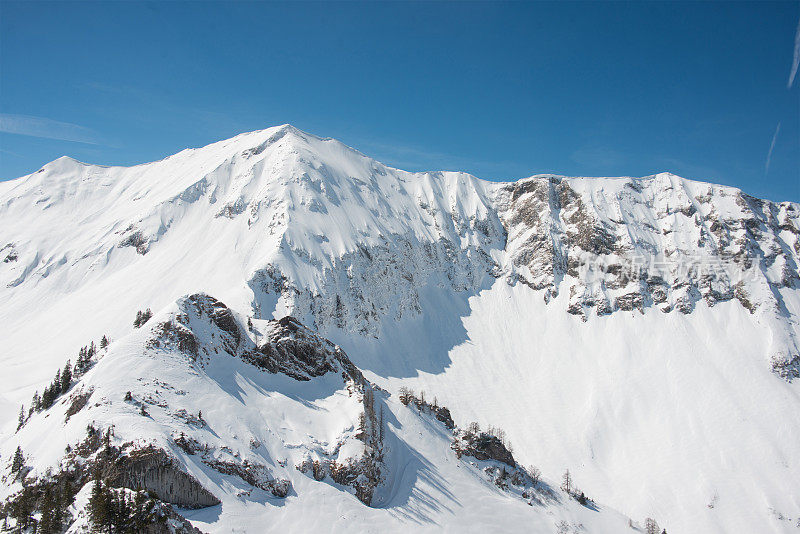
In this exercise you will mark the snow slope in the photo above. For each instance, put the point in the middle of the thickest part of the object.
(224, 419)
(641, 332)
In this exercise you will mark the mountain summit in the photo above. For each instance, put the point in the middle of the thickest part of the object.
(640, 332)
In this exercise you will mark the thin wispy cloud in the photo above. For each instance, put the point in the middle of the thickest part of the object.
(771, 148)
(796, 58)
(46, 128)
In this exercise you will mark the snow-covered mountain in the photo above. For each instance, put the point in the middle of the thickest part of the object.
(640, 332)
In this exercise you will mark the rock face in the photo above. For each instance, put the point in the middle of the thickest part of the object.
(296, 351)
(658, 241)
(482, 446)
(154, 470)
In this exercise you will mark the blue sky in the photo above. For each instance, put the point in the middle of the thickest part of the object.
(501, 90)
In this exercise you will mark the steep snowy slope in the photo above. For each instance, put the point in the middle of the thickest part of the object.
(641, 332)
(270, 425)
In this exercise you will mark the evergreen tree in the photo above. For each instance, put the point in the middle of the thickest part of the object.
(57, 383)
(22, 508)
(18, 462)
(104, 342)
(36, 404)
(99, 505)
(47, 522)
(66, 377)
(21, 420)
(66, 494)
(48, 397)
(141, 511)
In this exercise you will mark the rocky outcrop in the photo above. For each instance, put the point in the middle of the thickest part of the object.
(296, 351)
(482, 446)
(659, 241)
(255, 474)
(158, 472)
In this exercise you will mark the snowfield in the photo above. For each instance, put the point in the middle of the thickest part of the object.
(640, 332)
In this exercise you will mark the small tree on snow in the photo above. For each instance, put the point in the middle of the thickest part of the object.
(535, 474)
(650, 526)
(66, 377)
(566, 482)
(19, 460)
(21, 417)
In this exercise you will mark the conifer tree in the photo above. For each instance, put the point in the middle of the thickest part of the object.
(47, 521)
(66, 377)
(22, 508)
(57, 384)
(19, 460)
(99, 505)
(104, 342)
(21, 420)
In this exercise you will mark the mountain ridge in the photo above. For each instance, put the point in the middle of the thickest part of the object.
(590, 315)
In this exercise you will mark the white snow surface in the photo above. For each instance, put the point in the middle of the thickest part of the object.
(436, 281)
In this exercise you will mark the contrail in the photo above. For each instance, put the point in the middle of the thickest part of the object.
(771, 147)
(796, 60)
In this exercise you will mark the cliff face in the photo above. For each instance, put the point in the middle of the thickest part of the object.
(155, 471)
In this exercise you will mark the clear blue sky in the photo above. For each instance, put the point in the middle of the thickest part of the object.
(499, 90)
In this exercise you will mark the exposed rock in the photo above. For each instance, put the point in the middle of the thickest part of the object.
(482, 446)
(256, 475)
(170, 334)
(78, 401)
(296, 351)
(443, 415)
(156, 471)
(137, 240)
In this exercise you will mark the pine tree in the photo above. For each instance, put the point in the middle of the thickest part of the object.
(22, 508)
(57, 383)
(99, 505)
(103, 342)
(141, 511)
(66, 495)
(47, 521)
(48, 397)
(66, 377)
(21, 420)
(19, 461)
(36, 404)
